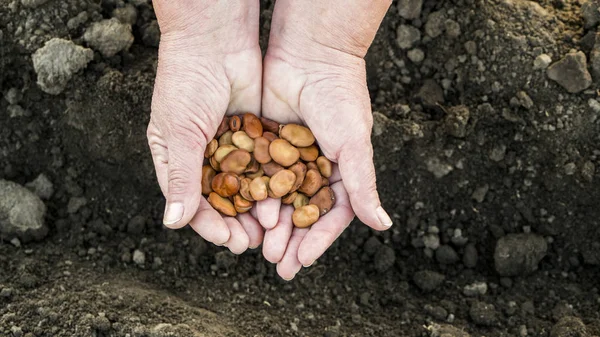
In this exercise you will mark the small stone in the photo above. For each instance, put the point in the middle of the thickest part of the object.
(407, 36)
(151, 34)
(33, 3)
(430, 94)
(42, 186)
(519, 254)
(570, 169)
(372, 245)
(225, 260)
(136, 225)
(21, 213)
(470, 256)
(16, 242)
(471, 47)
(475, 289)
(438, 168)
(571, 72)
(101, 323)
(127, 14)
(452, 28)
(139, 257)
(13, 96)
(456, 121)
(78, 20)
(445, 254)
(6, 292)
(384, 259)
(524, 100)
(416, 55)
(410, 9)
(569, 326)
(480, 193)
(16, 331)
(437, 312)
(435, 24)
(57, 61)
(482, 313)
(498, 152)
(542, 61)
(594, 105)
(588, 170)
(16, 110)
(590, 11)
(75, 203)
(431, 241)
(428, 280)
(109, 37)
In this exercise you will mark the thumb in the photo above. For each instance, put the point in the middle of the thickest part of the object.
(358, 176)
(184, 178)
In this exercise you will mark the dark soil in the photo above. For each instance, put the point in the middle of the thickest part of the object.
(524, 163)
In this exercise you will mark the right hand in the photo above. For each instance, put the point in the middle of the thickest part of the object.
(209, 64)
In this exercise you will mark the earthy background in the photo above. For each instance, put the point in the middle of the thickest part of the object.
(486, 146)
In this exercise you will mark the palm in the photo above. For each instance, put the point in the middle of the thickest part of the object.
(318, 95)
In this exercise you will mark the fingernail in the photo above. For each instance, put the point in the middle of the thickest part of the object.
(384, 217)
(287, 279)
(308, 265)
(173, 213)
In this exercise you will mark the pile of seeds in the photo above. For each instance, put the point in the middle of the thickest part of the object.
(251, 159)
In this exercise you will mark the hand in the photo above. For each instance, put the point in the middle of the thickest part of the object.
(209, 65)
(323, 86)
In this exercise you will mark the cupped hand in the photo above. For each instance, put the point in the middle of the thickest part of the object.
(209, 65)
(329, 94)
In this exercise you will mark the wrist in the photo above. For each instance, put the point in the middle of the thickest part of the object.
(320, 27)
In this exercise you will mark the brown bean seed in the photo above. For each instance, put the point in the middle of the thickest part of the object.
(312, 182)
(252, 125)
(221, 204)
(223, 151)
(305, 216)
(299, 170)
(235, 123)
(236, 161)
(312, 166)
(324, 199)
(241, 204)
(324, 181)
(245, 189)
(301, 200)
(225, 139)
(253, 166)
(257, 174)
(271, 168)
(281, 183)
(310, 153)
(289, 199)
(214, 163)
(270, 136)
(261, 150)
(324, 166)
(223, 127)
(269, 125)
(211, 147)
(258, 189)
(208, 173)
(284, 153)
(226, 184)
(242, 141)
(297, 135)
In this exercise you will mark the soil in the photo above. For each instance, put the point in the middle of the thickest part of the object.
(472, 144)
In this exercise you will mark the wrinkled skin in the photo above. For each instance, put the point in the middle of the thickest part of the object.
(304, 81)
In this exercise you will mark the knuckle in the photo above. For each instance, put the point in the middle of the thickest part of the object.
(179, 181)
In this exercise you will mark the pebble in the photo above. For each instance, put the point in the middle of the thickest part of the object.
(75, 204)
(590, 11)
(435, 24)
(372, 245)
(16, 331)
(569, 326)
(384, 259)
(470, 256)
(16, 242)
(16, 110)
(542, 61)
(428, 280)
(571, 72)
(139, 257)
(445, 254)
(101, 323)
(498, 152)
(78, 20)
(136, 225)
(482, 313)
(56, 63)
(594, 105)
(151, 34)
(13, 96)
(431, 241)
(6, 292)
(410, 9)
(127, 14)
(480, 193)
(519, 254)
(437, 312)
(225, 260)
(438, 168)
(456, 121)
(33, 3)
(416, 55)
(475, 289)
(109, 37)
(42, 186)
(407, 36)
(22, 213)
(452, 28)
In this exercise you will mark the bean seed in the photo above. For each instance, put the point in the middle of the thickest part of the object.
(221, 204)
(312, 166)
(289, 199)
(269, 125)
(324, 166)
(324, 199)
(226, 184)
(299, 170)
(281, 183)
(214, 163)
(309, 153)
(271, 168)
(253, 167)
(270, 136)
(242, 141)
(312, 182)
(211, 147)
(235, 123)
(252, 125)
(257, 174)
(301, 200)
(208, 173)
(261, 150)
(236, 161)
(223, 151)
(297, 135)
(226, 139)
(241, 204)
(258, 189)
(284, 153)
(223, 127)
(305, 216)
(245, 189)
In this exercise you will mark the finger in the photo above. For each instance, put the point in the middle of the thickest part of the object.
(210, 224)
(253, 229)
(327, 229)
(160, 157)
(268, 212)
(289, 265)
(277, 238)
(238, 240)
(358, 174)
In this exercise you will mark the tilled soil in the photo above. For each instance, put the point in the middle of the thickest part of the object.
(486, 159)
